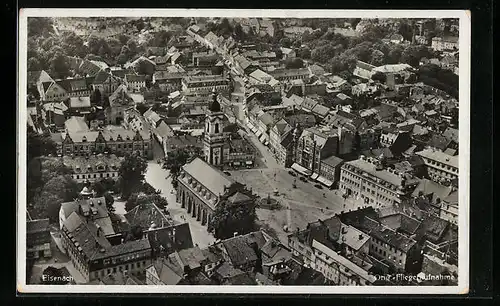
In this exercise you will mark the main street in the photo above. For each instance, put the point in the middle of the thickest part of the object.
(159, 178)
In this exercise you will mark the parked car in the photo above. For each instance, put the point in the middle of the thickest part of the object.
(303, 179)
(227, 173)
(318, 186)
(292, 173)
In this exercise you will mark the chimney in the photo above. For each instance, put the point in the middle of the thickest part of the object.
(360, 237)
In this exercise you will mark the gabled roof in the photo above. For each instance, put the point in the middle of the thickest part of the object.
(238, 197)
(365, 66)
(121, 97)
(101, 77)
(240, 249)
(332, 161)
(451, 134)
(433, 189)
(135, 78)
(213, 179)
(76, 124)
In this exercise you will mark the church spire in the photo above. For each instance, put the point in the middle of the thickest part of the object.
(215, 105)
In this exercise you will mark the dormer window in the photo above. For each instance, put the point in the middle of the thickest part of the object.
(84, 139)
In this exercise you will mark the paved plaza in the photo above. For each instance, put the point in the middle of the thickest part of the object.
(299, 206)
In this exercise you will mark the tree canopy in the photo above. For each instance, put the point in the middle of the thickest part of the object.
(139, 198)
(132, 170)
(230, 218)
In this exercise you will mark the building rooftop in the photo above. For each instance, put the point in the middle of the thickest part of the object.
(93, 163)
(148, 215)
(76, 124)
(439, 156)
(385, 174)
(332, 161)
(79, 102)
(240, 249)
(213, 179)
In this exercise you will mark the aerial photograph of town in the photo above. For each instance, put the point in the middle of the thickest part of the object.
(242, 151)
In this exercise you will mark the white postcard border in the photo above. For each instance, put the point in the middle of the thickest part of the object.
(464, 151)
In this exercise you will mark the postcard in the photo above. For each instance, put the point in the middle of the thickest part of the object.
(243, 151)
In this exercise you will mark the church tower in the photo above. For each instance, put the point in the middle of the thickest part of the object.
(215, 146)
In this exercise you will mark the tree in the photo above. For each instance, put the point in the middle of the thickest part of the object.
(73, 45)
(134, 233)
(413, 53)
(294, 63)
(40, 26)
(39, 145)
(285, 42)
(229, 218)
(406, 30)
(131, 171)
(377, 58)
(324, 53)
(373, 32)
(145, 68)
(96, 97)
(123, 38)
(63, 186)
(394, 54)
(304, 53)
(34, 64)
(109, 201)
(356, 144)
(59, 66)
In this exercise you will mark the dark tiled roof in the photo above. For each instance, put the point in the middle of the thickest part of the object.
(305, 120)
(451, 134)
(393, 238)
(192, 257)
(287, 140)
(135, 78)
(101, 77)
(434, 228)
(432, 189)
(332, 161)
(85, 235)
(172, 238)
(125, 248)
(439, 142)
(240, 248)
(357, 219)
(144, 215)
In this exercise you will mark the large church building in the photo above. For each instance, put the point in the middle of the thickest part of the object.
(201, 183)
